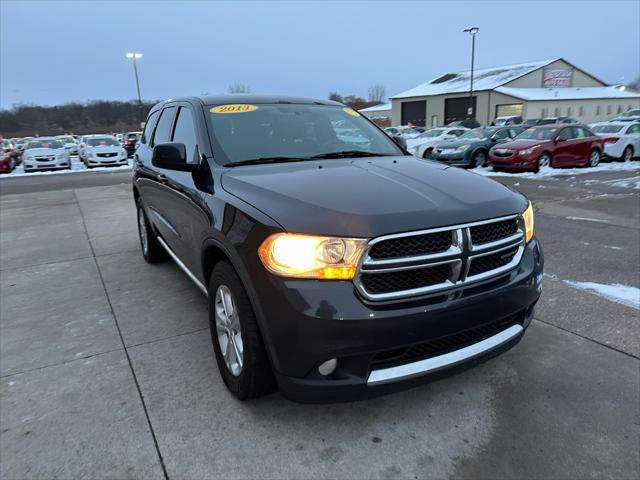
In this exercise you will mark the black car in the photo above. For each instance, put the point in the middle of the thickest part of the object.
(466, 123)
(130, 142)
(471, 148)
(337, 266)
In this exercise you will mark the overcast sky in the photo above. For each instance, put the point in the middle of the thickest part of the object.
(53, 52)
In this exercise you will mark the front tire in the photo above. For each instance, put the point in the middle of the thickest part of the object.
(152, 251)
(544, 160)
(427, 153)
(237, 343)
(479, 159)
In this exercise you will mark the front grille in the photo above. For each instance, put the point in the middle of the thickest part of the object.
(386, 282)
(502, 153)
(492, 261)
(490, 232)
(442, 345)
(106, 155)
(412, 246)
(44, 159)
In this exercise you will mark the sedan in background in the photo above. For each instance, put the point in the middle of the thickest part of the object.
(472, 147)
(423, 144)
(621, 139)
(466, 123)
(69, 143)
(552, 120)
(531, 122)
(10, 149)
(130, 142)
(548, 146)
(103, 151)
(507, 120)
(45, 153)
(7, 163)
(628, 116)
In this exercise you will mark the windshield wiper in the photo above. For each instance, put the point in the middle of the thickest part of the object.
(349, 154)
(257, 161)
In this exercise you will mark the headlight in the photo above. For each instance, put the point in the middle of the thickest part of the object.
(527, 216)
(310, 256)
(462, 148)
(528, 151)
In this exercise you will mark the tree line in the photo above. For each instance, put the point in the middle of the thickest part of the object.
(99, 116)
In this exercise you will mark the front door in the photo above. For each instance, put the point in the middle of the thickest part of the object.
(563, 152)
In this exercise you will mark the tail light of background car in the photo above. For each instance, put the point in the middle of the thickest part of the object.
(610, 139)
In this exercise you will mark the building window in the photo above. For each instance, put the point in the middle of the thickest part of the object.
(568, 111)
(609, 109)
(544, 113)
(619, 108)
(557, 114)
(598, 110)
(509, 110)
(581, 111)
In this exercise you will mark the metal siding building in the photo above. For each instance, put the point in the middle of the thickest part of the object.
(546, 88)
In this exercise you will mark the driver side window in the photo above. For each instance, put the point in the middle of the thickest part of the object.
(185, 132)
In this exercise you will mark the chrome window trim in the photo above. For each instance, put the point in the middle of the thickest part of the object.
(461, 245)
(440, 362)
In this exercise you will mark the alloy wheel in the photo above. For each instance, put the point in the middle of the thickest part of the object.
(626, 155)
(142, 230)
(479, 159)
(544, 161)
(228, 330)
(594, 158)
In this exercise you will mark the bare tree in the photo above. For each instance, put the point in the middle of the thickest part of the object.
(376, 93)
(239, 88)
(336, 97)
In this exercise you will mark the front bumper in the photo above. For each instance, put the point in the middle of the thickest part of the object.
(50, 165)
(107, 161)
(513, 162)
(310, 322)
(453, 157)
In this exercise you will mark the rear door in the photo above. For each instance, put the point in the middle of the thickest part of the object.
(581, 145)
(563, 151)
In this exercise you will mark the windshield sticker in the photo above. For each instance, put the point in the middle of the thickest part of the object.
(235, 108)
(350, 111)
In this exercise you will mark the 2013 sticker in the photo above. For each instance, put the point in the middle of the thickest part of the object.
(234, 108)
(350, 111)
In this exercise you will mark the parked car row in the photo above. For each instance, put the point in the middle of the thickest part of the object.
(518, 147)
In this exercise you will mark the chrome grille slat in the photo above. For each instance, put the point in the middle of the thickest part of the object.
(460, 256)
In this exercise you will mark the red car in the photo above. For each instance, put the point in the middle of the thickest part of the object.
(548, 145)
(7, 162)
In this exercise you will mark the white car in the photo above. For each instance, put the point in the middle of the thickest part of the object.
(621, 139)
(103, 151)
(69, 143)
(45, 153)
(423, 144)
(628, 116)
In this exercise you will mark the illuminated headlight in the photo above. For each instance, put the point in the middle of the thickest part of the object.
(528, 151)
(310, 256)
(462, 148)
(527, 217)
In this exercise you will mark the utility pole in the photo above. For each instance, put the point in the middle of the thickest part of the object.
(135, 56)
(472, 31)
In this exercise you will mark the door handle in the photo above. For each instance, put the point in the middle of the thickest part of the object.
(163, 178)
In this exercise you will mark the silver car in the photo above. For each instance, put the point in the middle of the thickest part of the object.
(621, 139)
(423, 144)
(103, 151)
(69, 143)
(45, 153)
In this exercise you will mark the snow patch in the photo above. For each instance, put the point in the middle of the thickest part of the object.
(616, 292)
(546, 172)
(586, 219)
(76, 167)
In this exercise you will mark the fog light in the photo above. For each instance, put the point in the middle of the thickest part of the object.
(328, 367)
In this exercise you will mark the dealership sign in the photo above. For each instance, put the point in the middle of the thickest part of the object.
(557, 77)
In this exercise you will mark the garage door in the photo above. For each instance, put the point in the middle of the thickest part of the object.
(414, 113)
(511, 110)
(456, 109)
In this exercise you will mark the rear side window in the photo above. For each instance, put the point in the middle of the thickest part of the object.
(148, 127)
(581, 132)
(634, 130)
(185, 132)
(567, 133)
(163, 130)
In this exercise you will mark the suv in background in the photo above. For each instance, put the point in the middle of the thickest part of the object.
(334, 269)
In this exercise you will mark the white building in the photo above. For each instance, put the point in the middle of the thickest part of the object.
(378, 112)
(549, 88)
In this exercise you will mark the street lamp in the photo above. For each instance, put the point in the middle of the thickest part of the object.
(135, 56)
(472, 31)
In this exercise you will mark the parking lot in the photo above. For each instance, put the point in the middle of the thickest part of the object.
(107, 368)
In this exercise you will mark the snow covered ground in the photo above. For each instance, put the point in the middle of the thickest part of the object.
(76, 166)
(624, 294)
(557, 172)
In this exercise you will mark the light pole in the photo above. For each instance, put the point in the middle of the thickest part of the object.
(472, 31)
(135, 56)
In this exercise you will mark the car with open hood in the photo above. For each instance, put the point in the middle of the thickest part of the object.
(45, 153)
(103, 151)
(471, 148)
(336, 267)
(553, 145)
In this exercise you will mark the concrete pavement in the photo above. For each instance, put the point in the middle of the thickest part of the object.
(107, 369)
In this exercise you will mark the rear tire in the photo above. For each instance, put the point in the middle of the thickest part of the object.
(250, 377)
(627, 155)
(152, 251)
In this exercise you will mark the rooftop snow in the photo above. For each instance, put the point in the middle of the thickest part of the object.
(483, 79)
(377, 108)
(573, 93)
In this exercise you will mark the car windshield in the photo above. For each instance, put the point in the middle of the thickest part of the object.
(66, 139)
(607, 128)
(45, 143)
(436, 132)
(476, 134)
(537, 134)
(631, 113)
(102, 141)
(293, 132)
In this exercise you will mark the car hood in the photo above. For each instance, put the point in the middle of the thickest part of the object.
(520, 144)
(369, 197)
(457, 143)
(44, 151)
(104, 149)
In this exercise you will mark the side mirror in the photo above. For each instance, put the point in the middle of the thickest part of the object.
(499, 140)
(172, 156)
(560, 138)
(400, 140)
